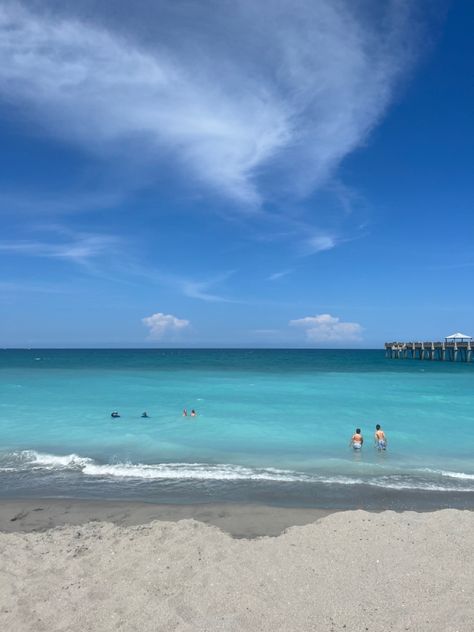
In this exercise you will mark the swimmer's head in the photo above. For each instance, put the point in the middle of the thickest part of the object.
(377, 427)
(357, 430)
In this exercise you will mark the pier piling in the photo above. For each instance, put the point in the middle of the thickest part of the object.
(441, 351)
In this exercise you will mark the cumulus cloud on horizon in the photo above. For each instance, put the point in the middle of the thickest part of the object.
(245, 97)
(160, 324)
(327, 328)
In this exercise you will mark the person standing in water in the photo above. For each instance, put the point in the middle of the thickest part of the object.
(380, 438)
(357, 440)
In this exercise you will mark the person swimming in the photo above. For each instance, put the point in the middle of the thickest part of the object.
(357, 440)
(114, 414)
(185, 412)
(193, 413)
(380, 438)
(145, 415)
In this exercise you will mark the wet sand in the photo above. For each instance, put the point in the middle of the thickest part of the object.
(238, 520)
(115, 566)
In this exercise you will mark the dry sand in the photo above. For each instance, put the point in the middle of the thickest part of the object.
(347, 571)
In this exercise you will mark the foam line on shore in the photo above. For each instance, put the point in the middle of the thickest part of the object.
(422, 479)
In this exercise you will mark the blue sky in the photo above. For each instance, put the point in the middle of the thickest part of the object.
(291, 173)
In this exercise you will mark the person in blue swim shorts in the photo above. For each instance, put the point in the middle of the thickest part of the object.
(357, 440)
(380, 438)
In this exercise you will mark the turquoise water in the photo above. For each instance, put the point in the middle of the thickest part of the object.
(268, 422)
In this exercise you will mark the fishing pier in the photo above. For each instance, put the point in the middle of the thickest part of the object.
(455, 348)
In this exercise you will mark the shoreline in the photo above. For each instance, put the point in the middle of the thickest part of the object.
(239, 520)
(297, 498)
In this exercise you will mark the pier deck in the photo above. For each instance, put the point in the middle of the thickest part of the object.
(451, 351)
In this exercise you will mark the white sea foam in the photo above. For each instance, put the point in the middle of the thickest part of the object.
(52, 461)
(448, 474)
(398, 483)
(198, 471)
(32, 460)
(461, 475)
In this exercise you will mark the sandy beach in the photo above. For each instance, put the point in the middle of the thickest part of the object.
(119, 566)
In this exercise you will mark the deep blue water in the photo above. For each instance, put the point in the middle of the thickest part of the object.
(270, 423)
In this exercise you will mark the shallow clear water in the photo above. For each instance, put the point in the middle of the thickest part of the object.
(270, 423)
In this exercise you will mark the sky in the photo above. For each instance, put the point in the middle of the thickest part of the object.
(284, 173)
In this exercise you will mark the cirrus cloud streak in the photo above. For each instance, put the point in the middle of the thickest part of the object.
(258, 98)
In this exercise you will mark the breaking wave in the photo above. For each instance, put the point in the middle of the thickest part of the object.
(421, 479)
(32, 460)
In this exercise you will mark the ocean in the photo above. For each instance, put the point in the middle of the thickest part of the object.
(272, 426)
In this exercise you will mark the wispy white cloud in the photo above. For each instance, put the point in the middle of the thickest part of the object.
(160, 324)
(79, 249)
(200, 290)
(327, 328)
(257, 96)
(279, 275)
(319, 243)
